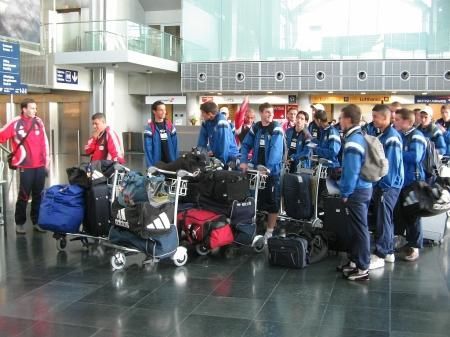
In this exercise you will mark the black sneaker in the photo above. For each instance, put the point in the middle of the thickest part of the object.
(346, 267)
(358, 275)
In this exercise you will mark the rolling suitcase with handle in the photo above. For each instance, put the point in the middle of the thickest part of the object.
(297, 195)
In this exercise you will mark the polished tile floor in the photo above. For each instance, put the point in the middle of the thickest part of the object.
(48, 293)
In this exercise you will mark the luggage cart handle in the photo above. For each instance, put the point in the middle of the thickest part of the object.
(180, 173)
(119, 167)
(261, 169)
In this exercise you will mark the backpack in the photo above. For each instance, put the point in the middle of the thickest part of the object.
(431, 163)
(376, 165)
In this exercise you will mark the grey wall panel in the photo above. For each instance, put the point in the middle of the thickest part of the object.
(289, 83)
(248, 68)
(438, 83)
(250, 83)
(438, 67)
(291, 68)
(414, 67)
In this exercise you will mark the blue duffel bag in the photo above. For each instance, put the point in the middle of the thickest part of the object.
(62, 208)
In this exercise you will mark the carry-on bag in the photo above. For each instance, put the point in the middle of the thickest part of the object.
(98, 210)
(290, 251)
(224, 186)
(296, 192)
(62, 208)
(161, 246)
(336, 224)
(434, 227)
(144, 219)
(242, 221)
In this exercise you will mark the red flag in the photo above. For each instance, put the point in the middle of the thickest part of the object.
(239, 116)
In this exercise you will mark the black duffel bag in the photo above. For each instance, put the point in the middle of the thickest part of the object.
(144, 219)
(423, 200)
(290, 251)
(224, 186)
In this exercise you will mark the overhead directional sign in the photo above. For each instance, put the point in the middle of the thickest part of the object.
(67, 76)
(10, 69)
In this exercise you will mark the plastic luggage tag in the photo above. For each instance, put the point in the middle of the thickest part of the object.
(293, 144)
(163, 134)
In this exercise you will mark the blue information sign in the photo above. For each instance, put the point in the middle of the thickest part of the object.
(10, 69)
(432, 99)
(67, 76)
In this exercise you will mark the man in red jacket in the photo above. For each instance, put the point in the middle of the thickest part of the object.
(104, 143)
(31, 157)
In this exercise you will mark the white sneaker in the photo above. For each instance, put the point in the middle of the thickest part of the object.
(20, 229)
(376, 262)
(390, 258)
(267, 235)
(38, 228)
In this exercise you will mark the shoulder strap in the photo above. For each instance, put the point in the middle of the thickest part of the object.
(26, 135)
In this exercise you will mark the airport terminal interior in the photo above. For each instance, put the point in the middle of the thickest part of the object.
(75, 58)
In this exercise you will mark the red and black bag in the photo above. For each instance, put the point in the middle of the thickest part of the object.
(201, 226)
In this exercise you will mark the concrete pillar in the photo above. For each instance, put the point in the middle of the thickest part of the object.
(192, 108)
(304, 102)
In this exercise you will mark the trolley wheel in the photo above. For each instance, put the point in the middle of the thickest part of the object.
(180, 257)
(318, 249)
(61, 244)
(201, 249)
(258, 243)
(118, 261)
(84, 242)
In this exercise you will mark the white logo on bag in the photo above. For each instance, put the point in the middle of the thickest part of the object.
(121, 219)
(160, 223)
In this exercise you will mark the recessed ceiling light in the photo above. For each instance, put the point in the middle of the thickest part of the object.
(211, 92)
(424, 93)
(363, 93)
(394, 92)
(330, 92)
(219, 93)
(269, 92)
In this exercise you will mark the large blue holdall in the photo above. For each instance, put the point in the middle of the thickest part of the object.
(62, 208)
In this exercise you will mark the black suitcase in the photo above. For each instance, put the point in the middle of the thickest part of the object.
(297, 195)
(290, 251)
(336, 224)
(224, 186)
(98, 210)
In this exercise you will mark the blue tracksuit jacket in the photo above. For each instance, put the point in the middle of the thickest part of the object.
(216, 136)
(274, 144)
(152, 143)
(299, 145)
(352, 161)
(393, 150)
(435, 135)
(329, 145)
(414, 146)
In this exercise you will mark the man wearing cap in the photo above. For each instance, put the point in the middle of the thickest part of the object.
(313, 127)
(430, 130)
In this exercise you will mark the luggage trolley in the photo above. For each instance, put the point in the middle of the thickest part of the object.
(178, 253)
(312, 227)
(82, 236)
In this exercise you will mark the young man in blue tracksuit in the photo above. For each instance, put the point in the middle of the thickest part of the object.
(431, 130)
(387, 189)
(329, 141)
(160, 137)
(313, 127)
(444, 125)
(356, 193)
(370, 129)
(265, 138)
(216, 136)
(414, 146)
(297, 140)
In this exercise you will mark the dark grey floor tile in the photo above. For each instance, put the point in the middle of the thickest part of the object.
(291, 310)
(418, 270)
(207, 326)
(343, 317)
(375, 284)
(233, 307)
(88, 314)
(259, 271)
(255, 289)
(47, 329)
(333, 331)
(310, 275)
(68, 291)
(360, 297)
(277, 329)
(119, 333)
(123, 296)
(209, 271)
(317, 291)
(420, 322)
(151, 323)
(87, 276)
(162, 299)
(420, 302)
(412, 285)
(413, 334)
(33, 307)
(10, 326)
(196, 286)
(15, 288)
